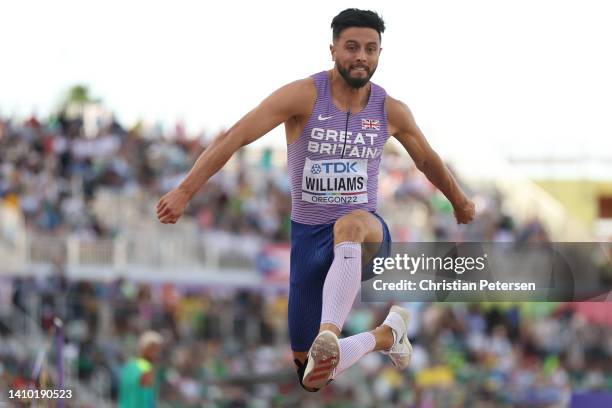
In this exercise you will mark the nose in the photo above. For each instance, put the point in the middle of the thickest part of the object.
(361, 56)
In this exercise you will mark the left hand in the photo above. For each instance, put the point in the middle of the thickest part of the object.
(465, 212)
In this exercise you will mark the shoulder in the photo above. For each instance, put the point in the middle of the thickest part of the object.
(304, 87)
(398, 115)
(296, 97)
(395, 107)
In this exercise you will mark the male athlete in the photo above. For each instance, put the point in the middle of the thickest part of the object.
(336, 124)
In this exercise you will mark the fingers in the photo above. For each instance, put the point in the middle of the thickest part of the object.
(165, 213)
(168, 218)
(161, 205)
(465, 213)
(171, 206)
(464, 217)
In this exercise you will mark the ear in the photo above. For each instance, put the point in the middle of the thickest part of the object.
(332, 50)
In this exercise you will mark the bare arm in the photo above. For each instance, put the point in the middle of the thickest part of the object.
(279, 107)
(293, 100)
(403, 127)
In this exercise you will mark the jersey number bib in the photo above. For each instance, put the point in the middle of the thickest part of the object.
(338, 181)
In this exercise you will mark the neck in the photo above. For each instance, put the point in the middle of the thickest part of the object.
(349, 98)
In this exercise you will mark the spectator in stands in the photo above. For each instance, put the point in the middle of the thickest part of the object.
(139, 386)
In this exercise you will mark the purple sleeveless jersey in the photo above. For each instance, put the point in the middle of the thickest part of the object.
(334, 164)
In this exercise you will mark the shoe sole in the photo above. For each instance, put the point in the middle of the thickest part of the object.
(323, 358)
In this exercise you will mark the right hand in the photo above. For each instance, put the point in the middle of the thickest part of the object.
(172, 205)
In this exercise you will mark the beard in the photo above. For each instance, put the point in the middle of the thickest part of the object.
(355, 83)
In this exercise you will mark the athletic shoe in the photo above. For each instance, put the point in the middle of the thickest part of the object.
(401, 351)
(323, 358)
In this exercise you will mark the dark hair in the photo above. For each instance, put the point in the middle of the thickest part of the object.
(353, 17)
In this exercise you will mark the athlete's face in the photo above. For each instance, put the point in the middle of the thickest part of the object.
(356, 54)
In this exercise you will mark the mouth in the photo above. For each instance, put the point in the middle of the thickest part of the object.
(359, 68)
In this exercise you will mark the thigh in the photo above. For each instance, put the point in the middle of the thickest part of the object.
(311, 256)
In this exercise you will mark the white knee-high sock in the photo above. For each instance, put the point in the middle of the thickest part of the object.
(353, 348)
(341, 284)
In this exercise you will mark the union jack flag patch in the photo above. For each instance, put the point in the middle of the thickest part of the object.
(372, 124)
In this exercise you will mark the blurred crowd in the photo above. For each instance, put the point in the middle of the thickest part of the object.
(229, 347)
(51, 170)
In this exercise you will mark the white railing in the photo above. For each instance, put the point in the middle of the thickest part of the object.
(215, 251)
(144, 242)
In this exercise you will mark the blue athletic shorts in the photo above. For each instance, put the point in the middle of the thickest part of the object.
(312, 252)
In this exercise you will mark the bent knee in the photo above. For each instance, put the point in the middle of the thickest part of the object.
(350, 227)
